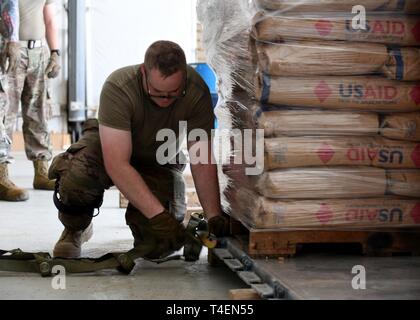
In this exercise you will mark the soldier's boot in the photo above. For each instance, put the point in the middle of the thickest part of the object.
(69, 245)
(8, 190)
(41, 181)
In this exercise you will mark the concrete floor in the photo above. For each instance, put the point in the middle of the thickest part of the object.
(33, 226)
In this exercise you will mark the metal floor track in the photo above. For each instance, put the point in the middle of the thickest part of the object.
(268, 287)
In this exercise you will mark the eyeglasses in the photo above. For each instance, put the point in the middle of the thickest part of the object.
(161, 96)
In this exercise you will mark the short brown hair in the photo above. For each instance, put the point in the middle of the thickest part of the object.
(166, 56)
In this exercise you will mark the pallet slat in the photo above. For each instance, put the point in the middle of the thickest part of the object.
(288, 243)
(244, 294)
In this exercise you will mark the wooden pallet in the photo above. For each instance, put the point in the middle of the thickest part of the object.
(260, 243)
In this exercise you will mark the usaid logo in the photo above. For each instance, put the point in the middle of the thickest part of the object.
(363, 91)
(395, 28)
(383, 155)
(324, 27)
(360, 91)
(394, 215)
(385, 215)
(360, 23)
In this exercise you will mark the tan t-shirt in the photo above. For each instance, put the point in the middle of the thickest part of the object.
(124, 105)
(32, 26)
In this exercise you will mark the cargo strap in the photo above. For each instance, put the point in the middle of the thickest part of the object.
(43, 263)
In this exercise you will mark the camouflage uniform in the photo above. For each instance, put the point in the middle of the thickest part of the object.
(28, 85)
(82, 180)
(4, 139)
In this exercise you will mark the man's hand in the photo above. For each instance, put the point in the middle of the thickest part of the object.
(219, 226)
(11, 54)
(53, 68)
(167, 229)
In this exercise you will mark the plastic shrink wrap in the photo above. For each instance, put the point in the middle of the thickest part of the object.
(405, 6)
(339, 109)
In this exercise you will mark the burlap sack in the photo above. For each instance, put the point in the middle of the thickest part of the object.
(310, 122)
(349, 93)
(395, 30)
(288, 152)
(321, 58)
(407, 6)
(404, 126)
(323, 183)
(403, 64)
(404, 183)
(349, 213)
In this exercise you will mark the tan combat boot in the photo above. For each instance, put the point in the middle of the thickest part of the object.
(70, 244)
(41, 181)
(8, 190)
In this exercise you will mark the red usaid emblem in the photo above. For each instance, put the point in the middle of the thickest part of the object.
(324, 27)
(415, 156)
(416, 31)
(326, 153)
(323, 91)
(415, 94)
(324, 214)
(415, 214)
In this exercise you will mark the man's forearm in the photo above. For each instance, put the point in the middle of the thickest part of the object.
(51, 29)
(132, 185)
(207, 185)
(52, 36)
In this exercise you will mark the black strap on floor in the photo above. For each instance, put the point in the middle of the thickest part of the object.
(43, 263)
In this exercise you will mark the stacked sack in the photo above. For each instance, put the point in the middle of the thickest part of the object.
(340, 109)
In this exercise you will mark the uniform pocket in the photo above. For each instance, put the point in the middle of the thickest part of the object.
(76, 147)
(59, 166)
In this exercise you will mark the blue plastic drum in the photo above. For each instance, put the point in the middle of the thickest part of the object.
(209, 77)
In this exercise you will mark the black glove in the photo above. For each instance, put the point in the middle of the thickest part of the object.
(219, 226)
(168, 230)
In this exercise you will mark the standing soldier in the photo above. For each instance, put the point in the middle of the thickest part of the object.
(9, 58)
(28, 84)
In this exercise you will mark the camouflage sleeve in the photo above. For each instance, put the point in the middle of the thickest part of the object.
(10, 19)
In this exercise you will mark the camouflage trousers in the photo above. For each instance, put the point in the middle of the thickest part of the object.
(27, 86)
(82, 181)
(4, 139)
(4, 103)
